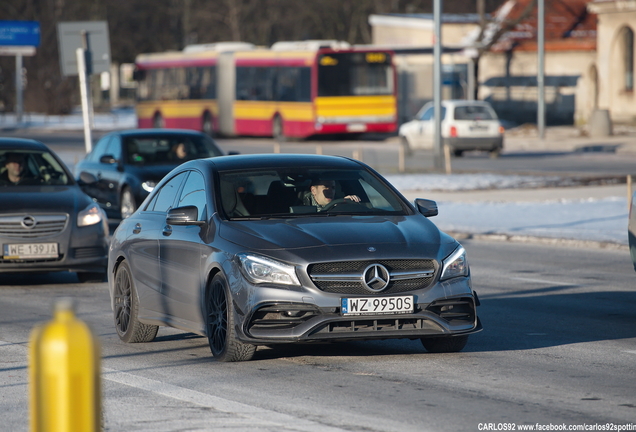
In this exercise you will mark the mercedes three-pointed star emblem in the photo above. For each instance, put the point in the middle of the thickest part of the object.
(376, 277)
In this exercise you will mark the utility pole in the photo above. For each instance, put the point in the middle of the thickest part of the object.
(438, 157)
(541, 69)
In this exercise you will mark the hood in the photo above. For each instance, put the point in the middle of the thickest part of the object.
(404, 235)
(25, 199)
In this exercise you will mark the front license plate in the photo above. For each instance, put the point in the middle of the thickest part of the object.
(30, 250)
(377, 305)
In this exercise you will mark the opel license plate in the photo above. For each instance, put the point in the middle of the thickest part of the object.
(377, 305)
(30, 250)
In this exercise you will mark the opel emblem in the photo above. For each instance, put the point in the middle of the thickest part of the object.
(28, 222)
(376, 277)
(371, 249)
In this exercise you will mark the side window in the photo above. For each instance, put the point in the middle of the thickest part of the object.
(428, 114)
(163, 201)
(194, 193)
(99, 149)
(114, 147)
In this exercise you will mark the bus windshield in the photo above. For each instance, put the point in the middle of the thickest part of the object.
(355, 74)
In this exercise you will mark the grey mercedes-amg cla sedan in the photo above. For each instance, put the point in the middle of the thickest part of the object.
(255, 250)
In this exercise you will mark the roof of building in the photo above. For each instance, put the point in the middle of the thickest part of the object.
(568, 26)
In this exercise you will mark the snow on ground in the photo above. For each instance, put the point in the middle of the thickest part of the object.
(600, 219)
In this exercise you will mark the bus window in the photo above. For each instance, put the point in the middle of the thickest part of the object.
(254, 83)
(355, 74)
(293, 84)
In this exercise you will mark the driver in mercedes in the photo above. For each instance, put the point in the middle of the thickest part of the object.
(322, 192)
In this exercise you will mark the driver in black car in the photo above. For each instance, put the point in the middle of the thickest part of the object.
(322, 192)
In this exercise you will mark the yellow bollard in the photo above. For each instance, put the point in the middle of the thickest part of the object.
(64, 374)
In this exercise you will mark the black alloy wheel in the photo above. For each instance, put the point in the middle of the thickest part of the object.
(224, 345)
(126, 309)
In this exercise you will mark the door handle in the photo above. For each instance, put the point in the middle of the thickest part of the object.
(137, 229)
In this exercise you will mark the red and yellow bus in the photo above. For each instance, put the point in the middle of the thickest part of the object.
(293, 89)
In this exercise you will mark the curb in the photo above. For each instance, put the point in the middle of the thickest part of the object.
(541, 240)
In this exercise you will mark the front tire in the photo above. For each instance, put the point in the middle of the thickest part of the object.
(445, 344)
(126, 309)
(220, 324)
(127, 203)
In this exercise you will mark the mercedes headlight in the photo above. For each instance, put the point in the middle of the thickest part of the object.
(91, 215)
(455, 264)
(258, 269)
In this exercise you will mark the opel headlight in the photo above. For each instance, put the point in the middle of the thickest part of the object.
(148, 185)
(258, 269)
(455, 265)
(91, 215)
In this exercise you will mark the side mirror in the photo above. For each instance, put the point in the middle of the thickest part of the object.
(427, 207)
(187, 215)
(87, 178)
(107, 159)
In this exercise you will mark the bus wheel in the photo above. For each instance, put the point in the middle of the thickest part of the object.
(157, 121)
(208, 124)
(277, 128)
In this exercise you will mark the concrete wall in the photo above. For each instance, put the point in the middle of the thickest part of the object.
(420, 33)
(509, 82)
(613, 18)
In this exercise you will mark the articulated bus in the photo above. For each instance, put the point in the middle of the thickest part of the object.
(293, 89)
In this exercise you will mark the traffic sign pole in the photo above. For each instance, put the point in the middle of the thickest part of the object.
(19, 100)
(84, 93)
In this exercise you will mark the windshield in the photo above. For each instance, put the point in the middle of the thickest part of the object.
(168, 150)
(355, 74)
(32, 167)
(474, 112)
(271, 192)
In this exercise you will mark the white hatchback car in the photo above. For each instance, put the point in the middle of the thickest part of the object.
(466, 125)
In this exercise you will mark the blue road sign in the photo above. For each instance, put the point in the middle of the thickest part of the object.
(19, 33)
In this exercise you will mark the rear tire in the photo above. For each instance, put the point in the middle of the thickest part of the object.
(126, 309)
(220, 326)
(458, 153)
(494, 154)
(445, 344)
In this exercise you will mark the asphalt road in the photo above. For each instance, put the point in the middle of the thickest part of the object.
(558, 348)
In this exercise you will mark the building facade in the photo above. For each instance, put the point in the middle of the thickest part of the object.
(611, 76)
(506, 54)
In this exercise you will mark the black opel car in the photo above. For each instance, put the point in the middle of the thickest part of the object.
(124, 166)
(269, 249)
(46, 222)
